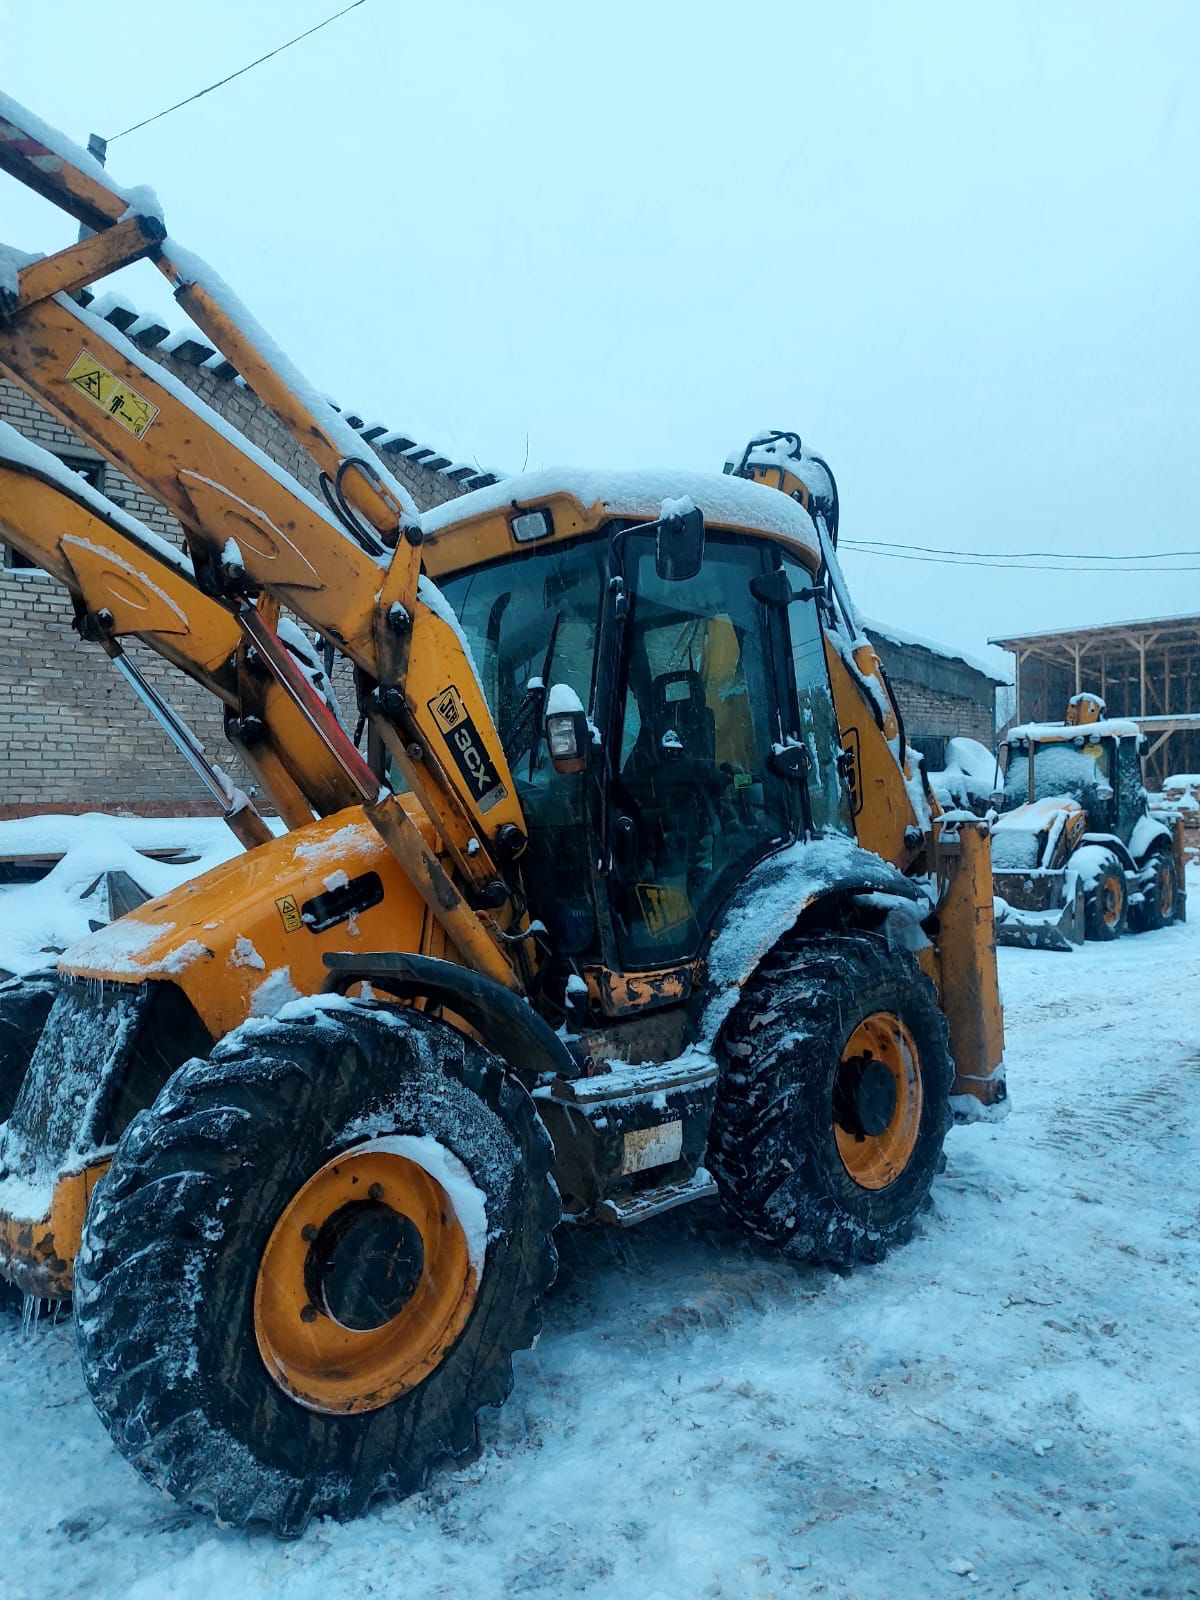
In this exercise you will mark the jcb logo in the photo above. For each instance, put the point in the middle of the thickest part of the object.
(448, 709)
(467, 748)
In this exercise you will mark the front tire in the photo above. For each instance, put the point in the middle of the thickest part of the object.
(287, 1300)
(1106, 900)
(833, 1099)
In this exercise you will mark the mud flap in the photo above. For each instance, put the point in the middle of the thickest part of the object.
(1039, 909)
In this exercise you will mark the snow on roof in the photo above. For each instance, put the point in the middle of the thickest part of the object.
(733, 502)
(1181, 619)
(151, 334)
(1111, 728)
(902, 636)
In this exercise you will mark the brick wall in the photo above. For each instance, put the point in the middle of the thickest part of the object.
(72, 736)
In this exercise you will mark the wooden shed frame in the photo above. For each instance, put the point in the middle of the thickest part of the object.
(1147, 670)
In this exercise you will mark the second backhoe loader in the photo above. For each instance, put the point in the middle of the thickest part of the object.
(647, 903)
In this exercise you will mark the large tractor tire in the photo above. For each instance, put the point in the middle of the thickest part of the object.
(1106, 897)
(312, 1261)
(24, 1006)
(1157, 906)
(833, 1099)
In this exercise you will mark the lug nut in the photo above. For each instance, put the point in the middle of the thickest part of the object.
(309, 1313)
(375, 1192)
(308, 1232)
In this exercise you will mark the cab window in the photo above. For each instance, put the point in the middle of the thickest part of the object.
(695, 801)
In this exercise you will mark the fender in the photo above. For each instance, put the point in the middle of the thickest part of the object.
(1109, 841)
(524, 1041)
(805, 883)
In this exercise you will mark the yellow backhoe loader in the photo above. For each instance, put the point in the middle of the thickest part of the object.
(645, 901)
(1078, 853)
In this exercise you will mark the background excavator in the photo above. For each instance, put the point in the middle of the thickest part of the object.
(1077, 851)
(644, 901)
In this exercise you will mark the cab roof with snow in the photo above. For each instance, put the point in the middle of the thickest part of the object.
(562, 503)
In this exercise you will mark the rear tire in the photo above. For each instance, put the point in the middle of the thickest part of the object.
(808, 1149)
(1106, 901)
(1157, 907)
(168, 1281)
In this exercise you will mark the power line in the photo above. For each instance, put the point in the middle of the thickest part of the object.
(1023, 555)
(200, 93)
(1020, 567)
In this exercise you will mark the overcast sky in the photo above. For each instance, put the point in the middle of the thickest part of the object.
(955, 246)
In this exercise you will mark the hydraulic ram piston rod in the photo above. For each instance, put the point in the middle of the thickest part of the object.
(237, 808)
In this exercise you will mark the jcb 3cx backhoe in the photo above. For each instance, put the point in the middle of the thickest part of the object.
(1077, 852)
(647, 903)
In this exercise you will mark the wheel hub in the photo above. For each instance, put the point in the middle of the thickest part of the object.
(364, 1266)
(877, 1100)
(865, 1096)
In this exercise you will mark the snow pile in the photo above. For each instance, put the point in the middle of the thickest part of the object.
(969, 778)
(1000, 1409)
(37, 920)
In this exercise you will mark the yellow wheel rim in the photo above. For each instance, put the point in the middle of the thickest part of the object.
(1166, 891)
(1114, 901)
(364, 1284)
(877, 1100)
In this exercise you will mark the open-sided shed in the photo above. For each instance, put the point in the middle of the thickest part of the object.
(1148, 670)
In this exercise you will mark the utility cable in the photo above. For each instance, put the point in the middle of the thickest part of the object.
(1022, 555)
(200, 93)
(1009, 566)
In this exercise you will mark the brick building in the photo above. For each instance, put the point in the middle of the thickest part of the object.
(942, 695)
(72, 738)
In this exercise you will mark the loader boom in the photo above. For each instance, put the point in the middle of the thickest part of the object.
(252, 528)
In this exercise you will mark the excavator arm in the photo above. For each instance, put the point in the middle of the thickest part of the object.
(351, 568)
(126, 582)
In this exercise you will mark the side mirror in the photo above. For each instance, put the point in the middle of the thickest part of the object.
(568, 735)
(679, 546)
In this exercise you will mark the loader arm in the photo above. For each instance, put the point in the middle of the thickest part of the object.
(125, 582)
(354, 573)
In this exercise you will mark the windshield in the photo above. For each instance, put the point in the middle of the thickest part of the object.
(1057, 769)
(531, 616)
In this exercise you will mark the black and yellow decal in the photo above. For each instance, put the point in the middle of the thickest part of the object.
(467, 748)
(289, 913)
(664, 906)
(109, 394)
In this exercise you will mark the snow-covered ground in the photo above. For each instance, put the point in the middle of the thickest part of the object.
(1008, 1406)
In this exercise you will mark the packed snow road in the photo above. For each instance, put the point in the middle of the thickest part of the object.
(1006, 1407)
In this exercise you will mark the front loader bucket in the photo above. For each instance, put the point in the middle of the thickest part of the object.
(1039, 908)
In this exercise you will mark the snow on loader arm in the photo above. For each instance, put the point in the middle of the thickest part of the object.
(665, 858)
(127, 582)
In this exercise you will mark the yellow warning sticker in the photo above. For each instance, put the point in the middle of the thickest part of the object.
(129, 409)
(289, 913)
